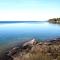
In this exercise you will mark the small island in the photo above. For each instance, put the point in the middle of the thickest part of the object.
(54, 20)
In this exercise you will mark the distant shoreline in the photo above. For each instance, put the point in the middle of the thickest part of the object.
(54, 20)
(20, 21)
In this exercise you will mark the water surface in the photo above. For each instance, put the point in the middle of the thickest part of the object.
(16, 32)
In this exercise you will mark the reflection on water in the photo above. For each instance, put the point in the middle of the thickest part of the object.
(15, 32)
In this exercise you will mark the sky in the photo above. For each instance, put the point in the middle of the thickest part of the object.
(29, 10)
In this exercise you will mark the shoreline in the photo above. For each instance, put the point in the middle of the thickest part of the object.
(28, 47)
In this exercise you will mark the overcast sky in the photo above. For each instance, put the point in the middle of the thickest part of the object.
(29, 10)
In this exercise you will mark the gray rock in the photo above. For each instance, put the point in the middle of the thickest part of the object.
(31, 42)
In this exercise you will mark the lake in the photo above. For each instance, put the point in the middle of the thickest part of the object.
(11, 33)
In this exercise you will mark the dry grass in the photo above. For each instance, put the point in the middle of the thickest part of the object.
(39, 53)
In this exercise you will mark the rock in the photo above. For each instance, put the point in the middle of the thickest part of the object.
(40, 43)
(47, 43)
(31, 42)
(13, 51)
(58, 39)
(6, 57)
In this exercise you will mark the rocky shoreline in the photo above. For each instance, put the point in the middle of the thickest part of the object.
(34, 50)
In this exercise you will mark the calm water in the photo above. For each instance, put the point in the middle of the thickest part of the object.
(16, 32)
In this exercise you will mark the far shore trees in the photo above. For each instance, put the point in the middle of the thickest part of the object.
(54, 20)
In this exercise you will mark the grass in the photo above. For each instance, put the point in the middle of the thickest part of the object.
(52, 53)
